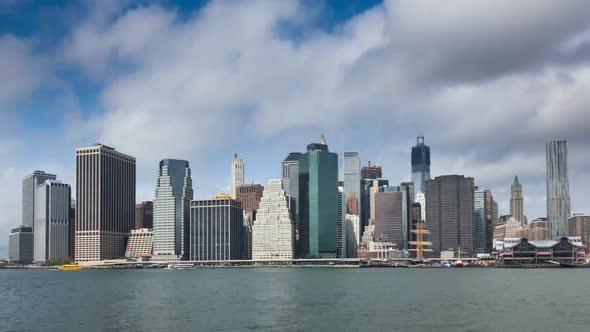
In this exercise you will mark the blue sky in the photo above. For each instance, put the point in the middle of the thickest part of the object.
(486, 84)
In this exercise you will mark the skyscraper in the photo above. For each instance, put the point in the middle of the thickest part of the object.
(480, 227)
(420, 165)
(371, 172)
(491, 214)
(450, 214)
(558, 197)
(290, 177)
(174, 193)
(517, 201)
(52, 221)
(318, 195)
(388, 217)
(216, 229)
(144, 215)
(341, 226)
(30, 184)
(237, 175)
(352, 180)
(421, 199)
(273, 233)
(105, 202)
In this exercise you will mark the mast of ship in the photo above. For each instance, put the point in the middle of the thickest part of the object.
(420, 245)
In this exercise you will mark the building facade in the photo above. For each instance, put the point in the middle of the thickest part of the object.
(20, 245)
(144, 215)
(52, 221)
(517, 201)
(371, 172)
(273, 233)
(579, 225)
(30, 184)
(450, 214)
(237, 175)
(318, 195)
(421, 199)
(352, 182)
(290, 177)
(174, 193)
(389, 218)
(558, 197)
(420, 165)
(216, 229)
(140, 244)
(480, 227)
(105, 202)
(249, 196)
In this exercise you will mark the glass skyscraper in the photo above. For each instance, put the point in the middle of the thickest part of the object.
(420, 165)
(318, 196)
(352, 178)
(558, 197)
(480, 227)
(174, 193)
(290, 177)
(30, 184)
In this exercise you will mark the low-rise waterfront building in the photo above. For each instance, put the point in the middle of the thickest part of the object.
(564, 250)
(20, 245)
(140, 243)
(579, 225)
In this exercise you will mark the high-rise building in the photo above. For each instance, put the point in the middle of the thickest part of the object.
(450, 214)
(371, 172)
(404, 208)
(174, 193)
(105, 202)
(421, 199)
(341, 226)
(290, 177)
(388, 218)
(558, 196)
(318, 195)
(140, 244)
(579, 225)
(369, 188)
(237, 175)
(249, 196)
(517, 201)
(30, 184)
(73, 229)
(491, 216)
(144, 215)
(352, 181)
(20, 245)
(420, 165)
(52, 221)
(353, 239)
(216, 229)
(480, 227)
(273, 233)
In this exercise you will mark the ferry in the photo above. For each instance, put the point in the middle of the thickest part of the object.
(179, 266)
(70, 267)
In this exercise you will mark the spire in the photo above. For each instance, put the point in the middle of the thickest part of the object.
(322, 139)
(516, 180)
(235, 156)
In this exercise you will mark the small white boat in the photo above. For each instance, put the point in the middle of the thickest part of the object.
(180, 266)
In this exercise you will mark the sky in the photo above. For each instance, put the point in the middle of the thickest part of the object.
(486, 82)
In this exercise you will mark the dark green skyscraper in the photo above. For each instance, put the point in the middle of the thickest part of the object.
(318, 195)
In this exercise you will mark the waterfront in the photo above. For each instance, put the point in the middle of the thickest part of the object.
(318, 299)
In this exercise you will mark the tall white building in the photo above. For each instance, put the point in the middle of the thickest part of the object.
(421, 198)
(273, 233)
(558, 196)
(237, 175)
(52, 221)
(174, 193)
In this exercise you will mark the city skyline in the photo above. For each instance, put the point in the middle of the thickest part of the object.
(526, 99)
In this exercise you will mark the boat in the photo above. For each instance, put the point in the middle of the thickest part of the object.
(576, 266)
(70, 267)
(179, 266)
(458, 264)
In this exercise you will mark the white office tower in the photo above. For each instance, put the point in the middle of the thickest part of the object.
(421, 198)
(558, 197)
(273, 232)
(52, 221)
(237, 175)
(353, 239)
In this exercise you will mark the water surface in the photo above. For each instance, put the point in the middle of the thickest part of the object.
(296, 299)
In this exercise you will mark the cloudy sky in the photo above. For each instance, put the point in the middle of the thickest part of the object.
(486, 82)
